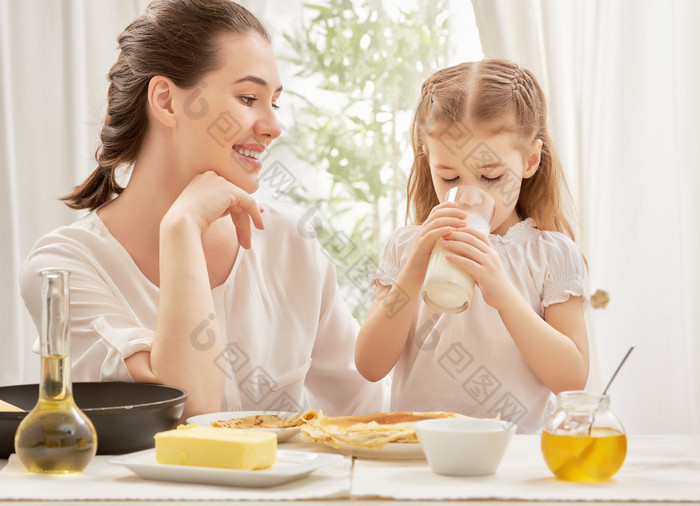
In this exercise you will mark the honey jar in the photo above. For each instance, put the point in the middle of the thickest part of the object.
(583, 440)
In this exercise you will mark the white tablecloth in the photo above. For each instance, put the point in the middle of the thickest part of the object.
(102, 480)
(656, 469)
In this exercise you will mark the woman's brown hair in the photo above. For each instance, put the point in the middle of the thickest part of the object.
(173, 38)
(489, 91)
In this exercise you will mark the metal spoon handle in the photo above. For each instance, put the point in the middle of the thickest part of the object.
(590, 427)
(618, 370)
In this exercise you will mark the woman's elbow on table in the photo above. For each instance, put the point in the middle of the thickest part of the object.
(205, 399)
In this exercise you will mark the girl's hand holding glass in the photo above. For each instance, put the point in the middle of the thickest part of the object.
(448, 287)
(443, 219)
(471, 250)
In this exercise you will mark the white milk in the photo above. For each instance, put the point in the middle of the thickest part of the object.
(447, 287)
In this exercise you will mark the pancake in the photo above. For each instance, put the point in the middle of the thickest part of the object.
(297, 420)
(368, 431)
(266, 421)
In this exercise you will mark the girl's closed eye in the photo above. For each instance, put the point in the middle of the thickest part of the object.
(491, 180)
(451, 181)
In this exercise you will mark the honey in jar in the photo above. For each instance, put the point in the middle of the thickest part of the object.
(583, 440)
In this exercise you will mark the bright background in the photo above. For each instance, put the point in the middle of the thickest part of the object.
(621, 77)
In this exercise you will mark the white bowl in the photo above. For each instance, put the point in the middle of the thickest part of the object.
(464, 446)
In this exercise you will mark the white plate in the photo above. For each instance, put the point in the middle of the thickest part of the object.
(282, 434)
(390, 451)
(290, 465)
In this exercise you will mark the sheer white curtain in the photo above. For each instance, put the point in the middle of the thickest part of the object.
(621, 77)
(54, 56)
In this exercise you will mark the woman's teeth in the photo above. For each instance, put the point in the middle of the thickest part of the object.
(249, 153)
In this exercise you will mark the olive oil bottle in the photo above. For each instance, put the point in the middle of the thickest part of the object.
(55, 437)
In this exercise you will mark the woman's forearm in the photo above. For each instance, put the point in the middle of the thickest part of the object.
(187, 340)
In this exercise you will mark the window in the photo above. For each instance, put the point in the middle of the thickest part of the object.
(352, 72)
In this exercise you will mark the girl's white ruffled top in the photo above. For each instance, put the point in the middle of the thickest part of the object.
(467, 362)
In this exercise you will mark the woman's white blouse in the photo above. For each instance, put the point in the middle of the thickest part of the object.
(467, 362)
(289, 338)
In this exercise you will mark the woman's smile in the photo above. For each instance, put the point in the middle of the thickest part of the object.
(249, 154)
(253, 151)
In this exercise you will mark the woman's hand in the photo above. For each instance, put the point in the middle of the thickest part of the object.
(443, 219)
(208, 197)
(471, 250)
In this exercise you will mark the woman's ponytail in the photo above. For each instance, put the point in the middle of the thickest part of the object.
(100, 187)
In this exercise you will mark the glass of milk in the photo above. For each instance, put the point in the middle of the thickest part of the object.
(448, 288)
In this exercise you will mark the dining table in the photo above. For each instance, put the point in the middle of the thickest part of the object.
(661, 468)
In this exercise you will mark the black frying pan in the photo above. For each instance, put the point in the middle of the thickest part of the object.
(125, 415)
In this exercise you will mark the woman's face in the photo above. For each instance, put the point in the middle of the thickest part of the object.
(494, 162)
(228, 119)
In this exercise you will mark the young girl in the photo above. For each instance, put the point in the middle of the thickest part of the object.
(523, 335)
(178, 278)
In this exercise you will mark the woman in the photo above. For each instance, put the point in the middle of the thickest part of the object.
(181, 278)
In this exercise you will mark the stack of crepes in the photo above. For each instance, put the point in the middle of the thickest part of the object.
(368, 431)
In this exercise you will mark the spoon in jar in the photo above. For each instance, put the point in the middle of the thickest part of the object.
(609, 383)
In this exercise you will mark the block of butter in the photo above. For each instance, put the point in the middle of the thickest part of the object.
(193, 445)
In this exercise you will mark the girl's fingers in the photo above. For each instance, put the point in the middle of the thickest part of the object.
(463, 262)
(465, 250)
(451, 222)
(470, 243)
(446, 209)
(471, 236)
(478, 232)
(432, 236)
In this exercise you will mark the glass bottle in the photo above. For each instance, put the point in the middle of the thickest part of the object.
(55, 436)
(583, 440)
